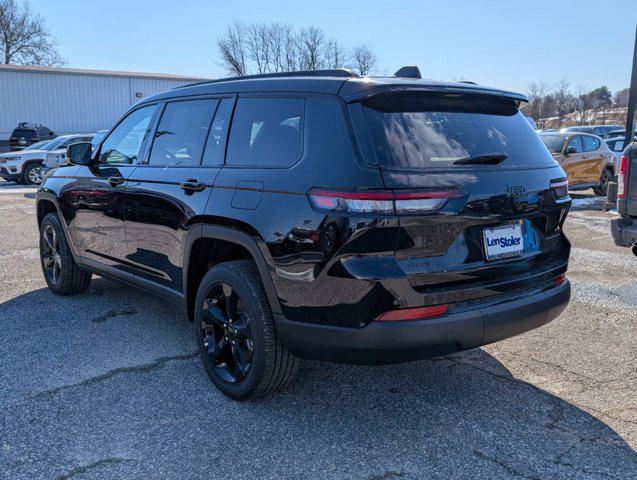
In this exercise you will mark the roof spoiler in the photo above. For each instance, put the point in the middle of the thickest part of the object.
(408, 71)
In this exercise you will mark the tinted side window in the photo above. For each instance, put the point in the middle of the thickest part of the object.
(598, 131)
(124, 143)
(213, 154)
(619, 146)
(590, 143)
(181, 133)
(266, 132)
(576, 142)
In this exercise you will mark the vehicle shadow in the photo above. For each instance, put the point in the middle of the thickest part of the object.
(28, 191)
(458, 416)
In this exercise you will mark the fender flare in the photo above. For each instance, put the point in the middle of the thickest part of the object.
(241, 238)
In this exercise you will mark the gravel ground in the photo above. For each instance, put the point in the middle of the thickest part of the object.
(107, 385)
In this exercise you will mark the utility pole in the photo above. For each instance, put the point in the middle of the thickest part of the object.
(632, 99)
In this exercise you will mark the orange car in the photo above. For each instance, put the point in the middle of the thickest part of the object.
(586, 159)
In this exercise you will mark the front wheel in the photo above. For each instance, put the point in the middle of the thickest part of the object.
(32, 174)
(235, 333)
(604, 180)
(62, 274)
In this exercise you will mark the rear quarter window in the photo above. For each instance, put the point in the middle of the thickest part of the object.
(266, 132)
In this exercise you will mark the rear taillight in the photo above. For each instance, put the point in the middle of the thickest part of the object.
(622, 176)
(387, 202)
(418, 313)
(560, 280)
(560, 188)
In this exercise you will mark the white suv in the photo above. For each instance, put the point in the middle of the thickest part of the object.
(25, 166)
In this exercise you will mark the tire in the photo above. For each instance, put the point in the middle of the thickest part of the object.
(264, 369)
(604, 180)
(62, 274)
(32, 175)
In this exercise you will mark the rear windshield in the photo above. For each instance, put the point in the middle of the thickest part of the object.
(553, 142)
(433, 130)
(24, 132)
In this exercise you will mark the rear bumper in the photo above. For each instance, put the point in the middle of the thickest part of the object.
(624, 231)
(396, 342)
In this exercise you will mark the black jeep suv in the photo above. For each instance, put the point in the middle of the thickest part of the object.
(320, 215)
(27, 134)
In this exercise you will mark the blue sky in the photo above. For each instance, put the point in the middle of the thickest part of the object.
(505, 44)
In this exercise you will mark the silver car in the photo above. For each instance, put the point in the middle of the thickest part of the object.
(616, 145)
(57, 157)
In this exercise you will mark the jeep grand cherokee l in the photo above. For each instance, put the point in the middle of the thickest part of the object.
(320, 215)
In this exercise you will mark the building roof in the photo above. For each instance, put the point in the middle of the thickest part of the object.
(104, 73)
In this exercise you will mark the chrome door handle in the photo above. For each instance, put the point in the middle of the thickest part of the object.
(192, 185)
(116, 180)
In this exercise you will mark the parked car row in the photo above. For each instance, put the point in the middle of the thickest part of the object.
(29, 165)
(586, 159)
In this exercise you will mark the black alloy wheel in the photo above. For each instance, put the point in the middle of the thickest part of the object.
(51, 259)
(227, 334)
(63, 276)
(236, 335)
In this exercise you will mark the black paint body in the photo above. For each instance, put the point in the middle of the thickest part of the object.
(326, 294)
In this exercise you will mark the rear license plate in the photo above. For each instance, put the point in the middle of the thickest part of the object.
(503, 242)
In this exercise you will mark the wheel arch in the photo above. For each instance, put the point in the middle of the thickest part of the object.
(31, 161)
(44, 207)
(208, 245)
(46, 202)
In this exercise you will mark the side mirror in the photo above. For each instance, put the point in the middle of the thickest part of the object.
(80, 153)
(570, 150)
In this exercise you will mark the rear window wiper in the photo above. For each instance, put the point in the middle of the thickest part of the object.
(484, 159)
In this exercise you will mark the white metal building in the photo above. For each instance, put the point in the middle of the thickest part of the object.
(69, 100)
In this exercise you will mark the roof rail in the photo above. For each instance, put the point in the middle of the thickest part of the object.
(338, 72)
(409, 71)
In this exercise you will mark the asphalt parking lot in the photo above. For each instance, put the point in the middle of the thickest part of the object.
(107, 385)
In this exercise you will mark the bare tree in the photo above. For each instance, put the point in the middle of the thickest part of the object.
(258, 44)
(311, 44)
(583, 104)
(364, 59)
(536, 107)
(563, 100)
(335, 55)
(277, 47)
(232, 49)
(24, 37)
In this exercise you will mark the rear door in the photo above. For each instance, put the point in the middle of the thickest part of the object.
(167, 194)
(575, 162)
(594, 156)
(483, 216)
